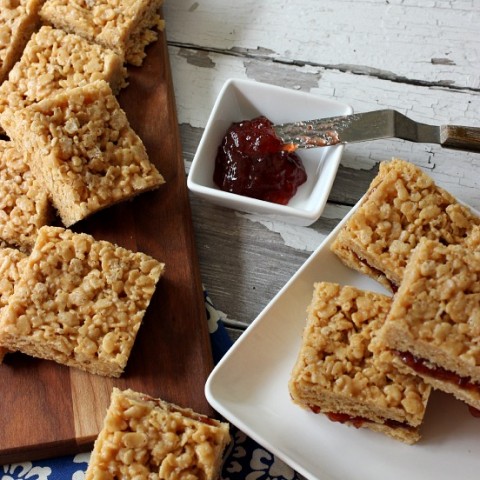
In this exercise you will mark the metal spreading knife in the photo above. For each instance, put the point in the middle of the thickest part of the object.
(360, 127)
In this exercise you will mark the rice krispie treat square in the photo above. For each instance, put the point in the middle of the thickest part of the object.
(82, 150)
(433, 327)
(24, 205)
(79, 302)
(125, 26)
(401, 206)
(344, 371)
(11, 261)
(18, 20)
(148, 438)
(53, 61)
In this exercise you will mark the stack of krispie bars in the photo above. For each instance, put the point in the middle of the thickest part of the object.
(367, 359)
(71, 147)
(65, 296)
(433, 327)
(64, 85)
(80, 302)
(54, 60)
(82, 150)
(401, 206)
(344, 371)
(124, 26)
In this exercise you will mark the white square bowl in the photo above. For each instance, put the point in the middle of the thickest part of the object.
(244, 100)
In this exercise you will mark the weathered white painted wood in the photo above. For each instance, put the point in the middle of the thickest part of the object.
(244, 264)
(420, 57)
(459, 172)
(431, 41)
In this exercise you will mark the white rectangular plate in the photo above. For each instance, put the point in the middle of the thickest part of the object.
(249, 387)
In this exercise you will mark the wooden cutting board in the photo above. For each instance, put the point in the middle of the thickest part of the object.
(49, 410)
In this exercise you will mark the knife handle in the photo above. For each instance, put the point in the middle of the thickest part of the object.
(462, 138)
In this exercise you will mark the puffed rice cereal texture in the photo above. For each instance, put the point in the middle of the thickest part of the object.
(24, 205)
(125, 26)
(435, 316)
(79, 302)
(401, 206)
(144, 438)
(345, 371)
(54, 61)
(11, 261)
(82, 150)
(18, 20)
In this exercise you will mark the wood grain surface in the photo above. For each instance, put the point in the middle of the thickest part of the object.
(49, 410)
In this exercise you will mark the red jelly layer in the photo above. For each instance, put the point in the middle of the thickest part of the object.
(357, 421)
(420, 366)
(252, 161)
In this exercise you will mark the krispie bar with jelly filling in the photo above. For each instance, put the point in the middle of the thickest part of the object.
(18, 20)
(79, 302)
(125, 26)
(401, 206)
(82, 150)
(344, 371)
(434, 324)
(11, 261)
(54, 60)
(147, 438)
(24, 206)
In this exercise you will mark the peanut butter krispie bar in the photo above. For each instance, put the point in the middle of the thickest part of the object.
(144, 438)
(79, 302)
(24, 206)
(10, 265)
(434, 324)
(53, 61)
(18, 20)
(401, 206)
(125, 26)
(82, 150)
(344, 370)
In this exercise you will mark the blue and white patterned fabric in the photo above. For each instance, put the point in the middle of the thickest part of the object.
(245, 459)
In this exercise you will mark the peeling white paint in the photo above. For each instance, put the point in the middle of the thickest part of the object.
(197, 88)
(399, 38)
(300, 238)
(420, 57)
(370, 55)
(305, 239)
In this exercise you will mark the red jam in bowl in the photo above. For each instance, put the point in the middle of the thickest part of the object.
(252, 161)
